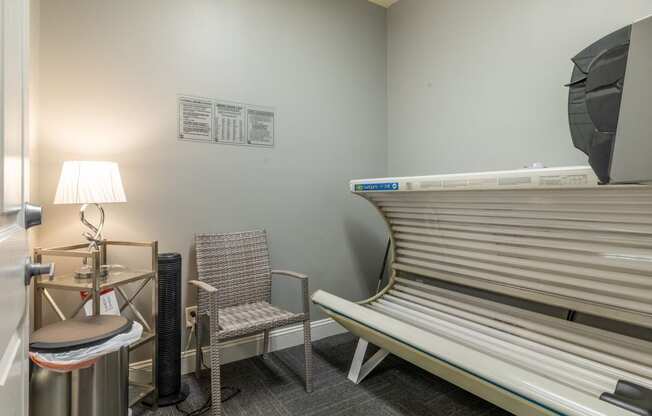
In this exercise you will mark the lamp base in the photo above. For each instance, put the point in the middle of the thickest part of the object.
(94, 237)
(86, 273)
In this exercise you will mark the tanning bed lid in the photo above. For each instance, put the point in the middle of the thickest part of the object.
(610, 94)
(563, 177)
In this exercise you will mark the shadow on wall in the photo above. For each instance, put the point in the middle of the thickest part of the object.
(368, 251)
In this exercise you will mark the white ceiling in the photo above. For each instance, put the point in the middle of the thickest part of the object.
(384, 3)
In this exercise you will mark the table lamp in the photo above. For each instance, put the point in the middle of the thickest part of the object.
(88, 183)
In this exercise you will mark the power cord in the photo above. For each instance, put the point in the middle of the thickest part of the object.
(209, 401)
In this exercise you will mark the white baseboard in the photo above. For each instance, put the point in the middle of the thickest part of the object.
(247, 347)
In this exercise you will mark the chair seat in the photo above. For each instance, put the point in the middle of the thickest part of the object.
(251, 318)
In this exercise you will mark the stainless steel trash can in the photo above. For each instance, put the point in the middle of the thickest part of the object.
(103, 389)
(100, 390)
(49, 393)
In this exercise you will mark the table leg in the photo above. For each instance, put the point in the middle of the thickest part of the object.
(38, 308)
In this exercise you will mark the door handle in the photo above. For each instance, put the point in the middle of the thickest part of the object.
(32, 215)
(37, 269)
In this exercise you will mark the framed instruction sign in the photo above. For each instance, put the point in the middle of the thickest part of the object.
(260, 126)
(225, 122)
(195, 118)
(230, 119)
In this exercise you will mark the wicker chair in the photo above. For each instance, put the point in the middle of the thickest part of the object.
(235, 282)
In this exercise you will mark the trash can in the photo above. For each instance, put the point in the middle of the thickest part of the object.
(99, 390)
(100, 384)
(49, 392)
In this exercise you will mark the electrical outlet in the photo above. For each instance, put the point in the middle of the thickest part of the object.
(191, 316)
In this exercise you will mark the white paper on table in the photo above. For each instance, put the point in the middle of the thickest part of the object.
(108, 304)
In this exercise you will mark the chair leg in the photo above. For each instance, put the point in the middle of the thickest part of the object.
(216, 382)
(265, 344)
(197, 349)
(307, 346)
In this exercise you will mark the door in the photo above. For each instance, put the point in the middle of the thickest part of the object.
(14, 321)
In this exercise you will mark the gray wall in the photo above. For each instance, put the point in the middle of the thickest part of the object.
(477, 85)
(457, 86)
(109, 75)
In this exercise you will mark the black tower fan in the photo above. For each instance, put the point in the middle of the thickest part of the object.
(168, 329)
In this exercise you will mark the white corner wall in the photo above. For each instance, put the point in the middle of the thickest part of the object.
(478, 85)
(110, 72)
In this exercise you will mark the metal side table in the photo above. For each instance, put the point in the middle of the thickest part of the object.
(93, 288)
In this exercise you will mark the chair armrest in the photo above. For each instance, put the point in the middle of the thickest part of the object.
(290, 274)
(212, 301)
(304, 287)
(203, 286)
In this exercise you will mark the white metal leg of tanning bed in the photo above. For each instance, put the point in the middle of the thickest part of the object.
(360, 370)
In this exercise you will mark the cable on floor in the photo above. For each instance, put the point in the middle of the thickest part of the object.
(209, 401)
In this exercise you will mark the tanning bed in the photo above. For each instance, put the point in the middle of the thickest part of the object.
(550, 236)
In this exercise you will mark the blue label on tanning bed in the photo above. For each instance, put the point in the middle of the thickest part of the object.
(366, 187)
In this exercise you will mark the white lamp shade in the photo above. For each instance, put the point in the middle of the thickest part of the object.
(90, 183)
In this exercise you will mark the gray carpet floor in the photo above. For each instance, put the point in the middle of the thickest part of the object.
(274, 387)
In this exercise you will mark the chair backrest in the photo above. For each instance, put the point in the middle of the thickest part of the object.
(586, 248)
(237, 265)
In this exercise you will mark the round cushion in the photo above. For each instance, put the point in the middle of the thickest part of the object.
(78, 333)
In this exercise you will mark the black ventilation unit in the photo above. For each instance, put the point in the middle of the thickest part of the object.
(169, 330)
